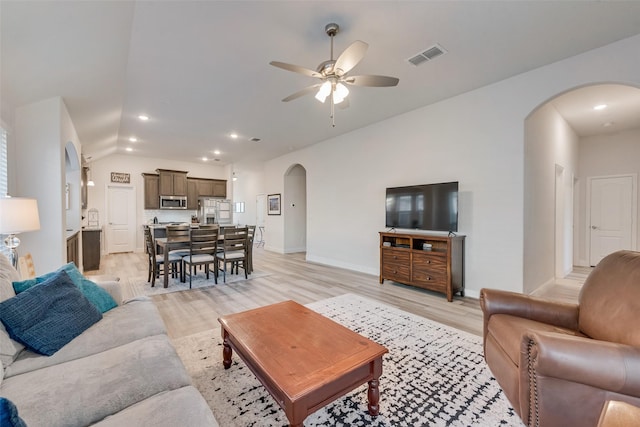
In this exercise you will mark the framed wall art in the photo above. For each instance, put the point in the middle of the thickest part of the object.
(273, 204)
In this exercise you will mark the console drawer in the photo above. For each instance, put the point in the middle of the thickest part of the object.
(396, 265)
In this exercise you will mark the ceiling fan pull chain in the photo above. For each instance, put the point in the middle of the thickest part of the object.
(333, 116)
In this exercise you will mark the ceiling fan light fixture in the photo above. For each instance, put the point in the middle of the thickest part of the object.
(324, 91)
(340, 93)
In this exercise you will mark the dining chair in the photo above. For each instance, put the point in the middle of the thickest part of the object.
(251, 232)
(234, 250)
(179, 232)
(156, 263)
(202, 252)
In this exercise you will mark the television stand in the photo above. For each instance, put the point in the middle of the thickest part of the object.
(427, 261)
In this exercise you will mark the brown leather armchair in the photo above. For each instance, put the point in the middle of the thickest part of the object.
(559, 363)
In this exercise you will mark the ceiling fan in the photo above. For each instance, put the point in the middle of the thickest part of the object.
(333, 74)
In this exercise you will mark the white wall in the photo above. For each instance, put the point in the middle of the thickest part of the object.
(41, 131)
(550, 145)
(135, 166)
(476, 138)
(249, 184)
(604, 155)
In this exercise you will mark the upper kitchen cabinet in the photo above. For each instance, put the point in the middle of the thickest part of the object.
(192, 193)
(172, 183)
(220, 188)
(204, 187)
(151, 193)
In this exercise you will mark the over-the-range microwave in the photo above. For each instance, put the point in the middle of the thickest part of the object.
(173, 202)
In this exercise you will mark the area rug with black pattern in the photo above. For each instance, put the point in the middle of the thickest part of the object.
(433, 375)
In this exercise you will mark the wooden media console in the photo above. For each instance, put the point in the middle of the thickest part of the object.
(427, 261)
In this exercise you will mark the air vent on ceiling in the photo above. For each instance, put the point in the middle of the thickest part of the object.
(254, 139)
(427, 55)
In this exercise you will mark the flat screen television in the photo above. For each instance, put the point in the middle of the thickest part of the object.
(431, 207)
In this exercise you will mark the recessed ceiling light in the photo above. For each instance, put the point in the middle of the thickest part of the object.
(216, 152)
(204, 159)
(600, 107)
(133, 139)
(143, 117)
(129, 149)
(233, 135)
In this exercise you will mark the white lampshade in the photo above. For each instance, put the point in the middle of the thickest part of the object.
(18, 214)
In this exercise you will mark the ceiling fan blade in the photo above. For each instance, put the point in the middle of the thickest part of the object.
(375, 81)
(295, 69)
(350, 57)
(298, 94)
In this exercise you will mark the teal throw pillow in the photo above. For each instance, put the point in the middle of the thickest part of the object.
(9, 414)
(48, 315)
(94, 293)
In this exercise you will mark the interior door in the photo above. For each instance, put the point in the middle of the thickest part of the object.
(121, 219)
(612, 218)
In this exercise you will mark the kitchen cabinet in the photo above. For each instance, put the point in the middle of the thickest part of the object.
(91, 249)
(220, 188)
(151, 191)
(73, 246)
(172, 183)
(205, 187)
(192, 193)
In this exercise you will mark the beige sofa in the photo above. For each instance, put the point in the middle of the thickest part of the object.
(122, 371)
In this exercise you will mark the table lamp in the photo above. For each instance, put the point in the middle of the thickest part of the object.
(17, 215)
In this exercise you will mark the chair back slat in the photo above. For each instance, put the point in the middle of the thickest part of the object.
(204, 241)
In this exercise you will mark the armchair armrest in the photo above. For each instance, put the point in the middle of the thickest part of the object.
(605, 365)
(494, 301)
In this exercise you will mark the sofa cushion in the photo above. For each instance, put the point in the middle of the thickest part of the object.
(9, 414)
(188, 408)
(97, 295)
(129, 322)
(49, 315)
(87, 390)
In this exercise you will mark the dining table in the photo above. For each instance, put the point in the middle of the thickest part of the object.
(176, 243)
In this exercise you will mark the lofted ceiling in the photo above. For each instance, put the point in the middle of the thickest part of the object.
(200, 69)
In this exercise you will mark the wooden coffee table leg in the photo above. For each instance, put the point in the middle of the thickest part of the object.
(373, 395)
(226, 351)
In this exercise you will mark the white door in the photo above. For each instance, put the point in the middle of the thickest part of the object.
(612, 216)
(121, 219)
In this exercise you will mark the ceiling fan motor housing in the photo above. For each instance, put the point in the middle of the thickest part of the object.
(331, 29)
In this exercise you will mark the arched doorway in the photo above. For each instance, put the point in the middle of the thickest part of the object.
(294, 209)
(567, 142)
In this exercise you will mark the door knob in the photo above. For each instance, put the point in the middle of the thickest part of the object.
(594, 227)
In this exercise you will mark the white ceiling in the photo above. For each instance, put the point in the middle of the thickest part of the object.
(200, 69)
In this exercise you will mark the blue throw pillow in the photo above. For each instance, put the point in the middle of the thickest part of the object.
(48, 315)
(94, 293)
(9, 414)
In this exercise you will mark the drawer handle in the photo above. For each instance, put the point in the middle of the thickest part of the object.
(395, 257)
(428, 277)
(428, 261)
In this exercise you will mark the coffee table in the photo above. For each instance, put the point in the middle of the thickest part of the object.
(302, 358)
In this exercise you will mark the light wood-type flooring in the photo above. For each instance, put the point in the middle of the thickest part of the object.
(291, 277)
